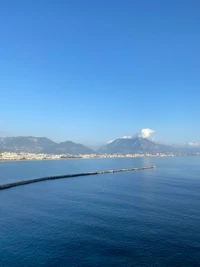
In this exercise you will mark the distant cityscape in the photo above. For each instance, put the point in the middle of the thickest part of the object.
(9, 156)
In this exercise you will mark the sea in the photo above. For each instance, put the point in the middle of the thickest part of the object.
(141, 218)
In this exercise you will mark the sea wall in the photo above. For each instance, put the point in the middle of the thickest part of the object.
(10, 185)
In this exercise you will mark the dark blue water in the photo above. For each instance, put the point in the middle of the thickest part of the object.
(144, 218)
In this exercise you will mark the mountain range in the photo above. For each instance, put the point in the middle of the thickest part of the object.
(136, 145)
(143, 145)
(32, 144)
(119, 146)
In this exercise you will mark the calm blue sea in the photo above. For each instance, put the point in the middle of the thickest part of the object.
(143, 218)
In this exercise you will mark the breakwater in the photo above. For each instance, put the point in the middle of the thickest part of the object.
(36, 180)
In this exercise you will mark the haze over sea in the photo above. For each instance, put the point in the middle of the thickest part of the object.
(142, 218)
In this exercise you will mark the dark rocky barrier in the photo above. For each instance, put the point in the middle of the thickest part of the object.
(10, 185)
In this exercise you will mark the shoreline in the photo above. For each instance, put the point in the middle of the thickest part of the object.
(96, 157)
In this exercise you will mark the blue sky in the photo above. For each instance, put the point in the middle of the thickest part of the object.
(90, 71)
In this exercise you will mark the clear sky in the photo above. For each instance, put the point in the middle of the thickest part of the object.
(90, 71)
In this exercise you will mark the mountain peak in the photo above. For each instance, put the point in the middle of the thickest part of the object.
(137, 144)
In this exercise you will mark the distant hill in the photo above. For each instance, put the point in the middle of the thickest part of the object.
(73, 148)
(41, 145)
(136, 145)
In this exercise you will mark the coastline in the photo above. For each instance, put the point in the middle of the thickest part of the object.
(37, 157)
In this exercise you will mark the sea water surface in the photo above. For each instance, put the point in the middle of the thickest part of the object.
(142, 218)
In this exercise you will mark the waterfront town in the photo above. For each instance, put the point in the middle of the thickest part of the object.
(8, 156)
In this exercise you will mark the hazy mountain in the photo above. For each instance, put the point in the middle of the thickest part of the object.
(136, 145)
(73, 148)
(41, 145)
(26, 144)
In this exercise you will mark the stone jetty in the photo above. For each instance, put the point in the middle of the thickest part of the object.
(10, 185)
